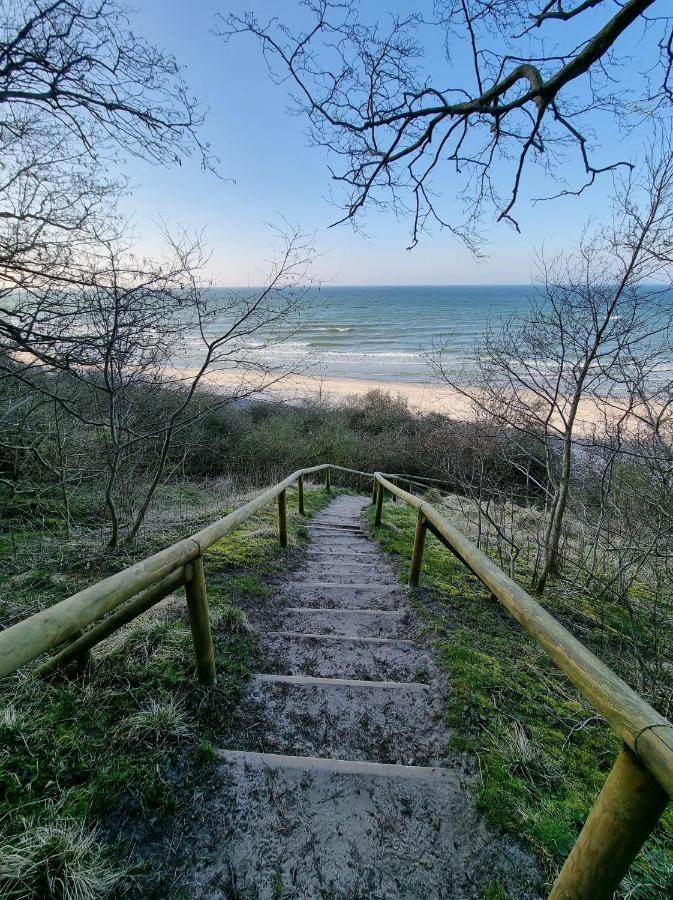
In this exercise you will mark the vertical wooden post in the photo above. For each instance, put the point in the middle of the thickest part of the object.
(397, 483)
(379, 505)
(374, 486)
(357, 483)
(417, 555)
(300, 491)
(328, 480)
(199, 621)
(282, 519)
(625, 812)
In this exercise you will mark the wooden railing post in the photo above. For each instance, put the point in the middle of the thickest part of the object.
(396, 482)
(379, 505)
(357, 483)
(625, 812)
(282, 518)
(328, 480)
(417, 555)
(300, 491)
(374, 486)
(199, 621)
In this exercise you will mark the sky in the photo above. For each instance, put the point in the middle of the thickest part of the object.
(270, 172)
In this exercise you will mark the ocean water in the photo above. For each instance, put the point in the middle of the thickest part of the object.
(383, 333)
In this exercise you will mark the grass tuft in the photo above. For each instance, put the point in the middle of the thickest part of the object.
(60, 859)
(231, 620)
(159, 723)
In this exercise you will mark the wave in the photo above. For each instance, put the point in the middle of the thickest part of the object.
(337, 329)
(294, 348)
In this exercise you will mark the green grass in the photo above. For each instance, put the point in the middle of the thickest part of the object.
(542, 752)
(125, 738)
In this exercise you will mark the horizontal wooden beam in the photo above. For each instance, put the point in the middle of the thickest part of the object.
(131, 610)
(58, 623)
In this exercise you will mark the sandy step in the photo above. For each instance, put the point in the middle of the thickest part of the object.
(338, 596)
(339, 585)
(289, 826)
(387, 721)
(337, 545)
(334, 560)
(366, 557)
(364, 572)
(353, 622)
(344, 528)
(332, 656)
(321, 538)
(350, 518)
(334, 530)
(342, 574)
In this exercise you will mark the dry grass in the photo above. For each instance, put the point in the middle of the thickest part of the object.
(159, 723)
(59, 859)
(231, 620)
(143, 639)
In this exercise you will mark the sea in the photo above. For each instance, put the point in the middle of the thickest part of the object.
(384, 333)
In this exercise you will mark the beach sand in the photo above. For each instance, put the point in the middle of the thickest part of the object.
(425, 397)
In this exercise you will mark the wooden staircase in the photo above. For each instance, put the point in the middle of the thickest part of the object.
(349, 793)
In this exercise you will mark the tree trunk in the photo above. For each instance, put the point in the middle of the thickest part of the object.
(112, 509)
(552, 537)
(161, 465)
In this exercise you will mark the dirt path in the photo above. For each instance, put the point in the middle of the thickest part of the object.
(350, 794)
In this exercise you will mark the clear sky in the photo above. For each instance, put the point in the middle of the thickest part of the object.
(274, 173)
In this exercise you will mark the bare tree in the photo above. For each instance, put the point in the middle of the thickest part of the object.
(520, 82)
(126, 354)
(79, 92)
(491, 474)
(594, 314)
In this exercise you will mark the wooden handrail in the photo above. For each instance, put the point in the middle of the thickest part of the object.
(637, 790)
(639, 725)
(64, 621)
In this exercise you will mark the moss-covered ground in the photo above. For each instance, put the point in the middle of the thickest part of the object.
(542, 752)
(85, 755)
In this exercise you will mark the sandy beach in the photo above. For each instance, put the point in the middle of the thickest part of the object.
(425, 397)
(421, 396)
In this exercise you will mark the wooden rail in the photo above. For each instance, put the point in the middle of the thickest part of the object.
(152, 579)
(636, 791)
(640, 784)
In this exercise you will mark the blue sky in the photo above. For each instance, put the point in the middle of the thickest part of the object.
(275, 173)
